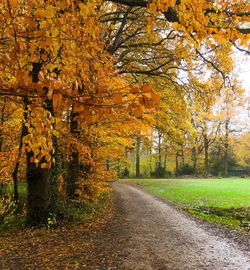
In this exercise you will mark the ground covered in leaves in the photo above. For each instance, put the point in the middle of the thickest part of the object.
(70, 246)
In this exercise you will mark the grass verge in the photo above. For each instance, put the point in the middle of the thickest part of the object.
(221, 201)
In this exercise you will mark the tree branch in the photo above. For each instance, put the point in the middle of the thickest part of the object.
(116, 42)
(131, 3)
(245, 31)
(172, 16)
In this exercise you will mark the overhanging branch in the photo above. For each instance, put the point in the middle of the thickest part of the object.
(131, 3)
(172, 16)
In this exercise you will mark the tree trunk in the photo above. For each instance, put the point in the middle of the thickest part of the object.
(38, 195)
(55, 169)
(159, 151)
(1, 141)
(118, 167)
(225, 167)
(126, 170)
(138, 157)
(194, 158)
(220, 157)
(165, 162)
(177, 171)
(74, 166)
(107, 165)
(2, 122)
(150, 161)
(15, 171)
(37, 178)
(206, 146)
(15, 184)
(182, 157)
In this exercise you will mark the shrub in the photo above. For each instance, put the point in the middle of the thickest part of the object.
(160, 172)
(186, 169)
(7, 207)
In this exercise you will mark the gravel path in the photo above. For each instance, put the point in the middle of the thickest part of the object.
(153, 235)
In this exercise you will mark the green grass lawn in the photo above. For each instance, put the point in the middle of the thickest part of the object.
(224, 201)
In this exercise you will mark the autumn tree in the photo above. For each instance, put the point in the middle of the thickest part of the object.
(242, 150)
(53, 58)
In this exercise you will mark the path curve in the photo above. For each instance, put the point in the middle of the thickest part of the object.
(157, 236)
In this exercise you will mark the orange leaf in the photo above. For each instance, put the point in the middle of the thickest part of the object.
(57, 100)
(156, 98)
(147, 88)
(14, 3)
(118, 99)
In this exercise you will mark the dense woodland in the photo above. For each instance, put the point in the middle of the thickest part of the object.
(216, 144)
(91, 91)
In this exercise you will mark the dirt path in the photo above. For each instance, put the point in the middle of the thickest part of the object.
(144, 234)
(159, 237)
